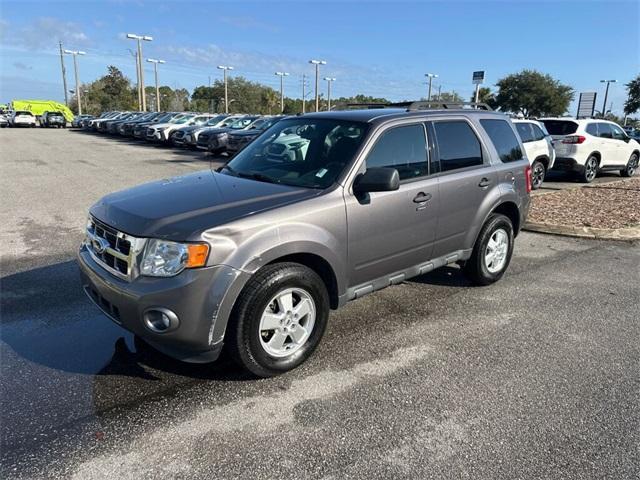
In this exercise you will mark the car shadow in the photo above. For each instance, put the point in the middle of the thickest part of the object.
(449, 276)
(47, 320)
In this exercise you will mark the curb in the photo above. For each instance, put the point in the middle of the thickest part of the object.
(628, 234)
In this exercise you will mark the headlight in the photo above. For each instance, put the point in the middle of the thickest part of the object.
(163, 258)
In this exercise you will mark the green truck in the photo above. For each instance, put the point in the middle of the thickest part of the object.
(38, 107)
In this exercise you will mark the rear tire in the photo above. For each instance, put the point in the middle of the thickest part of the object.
(538, 173)
(249, 341)
(492, 251)
(590, 170)
(632, 166)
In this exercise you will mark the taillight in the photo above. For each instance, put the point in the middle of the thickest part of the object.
(527, 176)
(574, 139)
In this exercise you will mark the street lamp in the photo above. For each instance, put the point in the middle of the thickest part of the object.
(224, 68)
(317, 63)
(329, 81)
(75, 54)
(606, 94)
(141, 96)
(155, 70)
(430, 76)
(282, 75)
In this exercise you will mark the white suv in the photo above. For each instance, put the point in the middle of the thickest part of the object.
(20, 118)
(588, 146)
(538, 147)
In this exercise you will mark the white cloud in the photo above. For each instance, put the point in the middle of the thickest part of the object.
(43, 32)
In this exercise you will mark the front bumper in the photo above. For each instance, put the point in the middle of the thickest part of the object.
(201, 298)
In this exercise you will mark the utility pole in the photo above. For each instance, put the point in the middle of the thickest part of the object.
(606, 94)
(304, 84)
(64, 76)
(282, 75)
(430, 76)
(139, 39)
(155, 70)
(329, 81)
(224, 68)
(75, 54)
(439, 91)
(317, 63)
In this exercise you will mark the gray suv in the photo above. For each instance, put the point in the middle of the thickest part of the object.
(319, 210)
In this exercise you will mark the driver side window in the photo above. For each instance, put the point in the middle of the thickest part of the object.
(403, 148)
(618, 134)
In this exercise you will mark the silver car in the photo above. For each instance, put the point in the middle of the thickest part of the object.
(256, 254)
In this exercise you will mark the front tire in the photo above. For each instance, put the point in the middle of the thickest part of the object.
(492, 251)
(538, 172)
(632, 166)
(590, 170)
(278, 320)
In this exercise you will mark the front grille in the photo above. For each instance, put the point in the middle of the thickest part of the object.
(111, 248)
(203, 138)
(178, 135)
(105, 305)
(150, 132)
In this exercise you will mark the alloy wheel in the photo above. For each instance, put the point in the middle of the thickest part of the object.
(495, 255)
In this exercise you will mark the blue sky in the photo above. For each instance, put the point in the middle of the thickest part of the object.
(376, 48)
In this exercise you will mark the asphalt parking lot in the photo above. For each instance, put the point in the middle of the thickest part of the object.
(536, 376)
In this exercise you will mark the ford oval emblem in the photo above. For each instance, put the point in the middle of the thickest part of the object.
(99, 245)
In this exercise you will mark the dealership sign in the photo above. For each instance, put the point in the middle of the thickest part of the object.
(586, 105)
(478, 77)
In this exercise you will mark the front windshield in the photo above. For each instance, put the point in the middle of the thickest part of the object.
(304, 152)
(241, 123)
(215, 120)
(185, 119)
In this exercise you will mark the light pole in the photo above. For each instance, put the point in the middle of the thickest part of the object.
(430, 76)
(139, 39)
(282, 75)
(64, 75)
(606, 94)
(329, 81)
(155, 71)
(75, 54)
(224, 68)
(317, 63)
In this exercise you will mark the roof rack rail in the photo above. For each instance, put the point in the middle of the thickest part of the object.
(414, 106)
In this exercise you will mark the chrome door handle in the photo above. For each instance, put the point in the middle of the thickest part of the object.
(422, 197)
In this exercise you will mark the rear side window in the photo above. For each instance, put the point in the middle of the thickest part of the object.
(592, 129)
(560, 127)
(503, 139)
(402, 148)
(524, 130)
(458, 146)
(604, 130)
(538, 134)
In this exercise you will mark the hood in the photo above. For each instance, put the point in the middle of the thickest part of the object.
(162, 125)
(216, 130)
(245, 133)
(180, 208)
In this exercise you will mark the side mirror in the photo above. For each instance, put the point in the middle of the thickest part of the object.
(377, 180)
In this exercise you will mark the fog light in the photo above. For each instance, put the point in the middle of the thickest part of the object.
(160, 320)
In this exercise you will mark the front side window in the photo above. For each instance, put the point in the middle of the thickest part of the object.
(538, 133)
(524, 130)
(618, 134)
(458, 146)
(403, 148)
(503, 138)
(303, 152)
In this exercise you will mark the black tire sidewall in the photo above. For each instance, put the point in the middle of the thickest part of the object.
(495, 222)
(252, 303)
(544, 173)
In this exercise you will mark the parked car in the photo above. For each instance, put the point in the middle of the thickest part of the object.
(237, 140)
(97, 123)
(126, 128)
(588, 146)
(538, 147)
(160, 132)
(53, 119)
(103, 126)
(254, 255)
(77, 120)
(4, 122)
(196, 121)
(140, 129)
(113, 126)
(215, 140)
(188, 136)
(22, 118)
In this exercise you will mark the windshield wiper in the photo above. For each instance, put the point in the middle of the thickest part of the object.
(261, 177)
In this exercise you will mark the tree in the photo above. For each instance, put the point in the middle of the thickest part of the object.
(485, 95)
(632, 104)
(448, 97)
(110, 92)
(533, 94)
